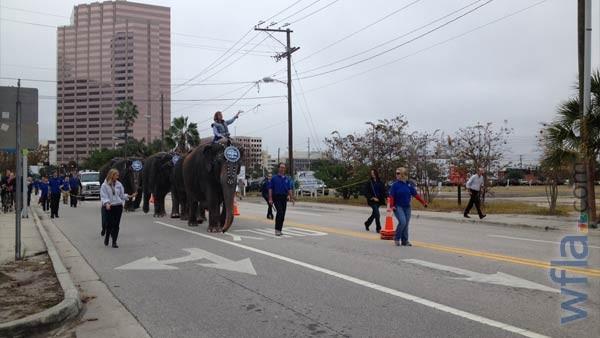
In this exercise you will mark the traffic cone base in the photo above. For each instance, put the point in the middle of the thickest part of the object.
(236, 210)
(388, 232)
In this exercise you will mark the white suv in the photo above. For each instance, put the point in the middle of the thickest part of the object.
(90, 181)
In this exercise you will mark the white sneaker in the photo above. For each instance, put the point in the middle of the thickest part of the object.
(277, 233)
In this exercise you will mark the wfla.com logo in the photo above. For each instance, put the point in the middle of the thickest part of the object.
(577, 247)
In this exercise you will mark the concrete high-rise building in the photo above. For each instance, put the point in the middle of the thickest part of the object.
(112, 51)
(252, 147)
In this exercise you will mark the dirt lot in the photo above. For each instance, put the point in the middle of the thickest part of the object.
(28, 287)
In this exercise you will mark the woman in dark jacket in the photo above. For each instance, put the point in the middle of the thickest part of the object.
(375, 194)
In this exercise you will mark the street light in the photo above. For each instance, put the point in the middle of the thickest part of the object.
(290, 130)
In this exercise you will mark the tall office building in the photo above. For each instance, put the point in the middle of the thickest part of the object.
(111, 52)
(252, 147)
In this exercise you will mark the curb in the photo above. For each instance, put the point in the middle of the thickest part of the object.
(70, 306)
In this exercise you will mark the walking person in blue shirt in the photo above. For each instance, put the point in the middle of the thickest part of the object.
(280, 191)
(75, 185)
(219, 126)
(55, 184)
(65, 189)
(44, 193)
(401, 193)
(265, 194)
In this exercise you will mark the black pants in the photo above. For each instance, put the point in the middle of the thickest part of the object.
(44, 202)
(29, 198)
(74, 195)
(54, 203)
(474, 200)
(374, 215)
(280, 202)
(269, 207)
(113, 219)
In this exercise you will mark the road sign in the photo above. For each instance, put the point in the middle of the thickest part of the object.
(194, 254)
(8, 120)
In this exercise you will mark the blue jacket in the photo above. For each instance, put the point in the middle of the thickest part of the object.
(74, 183)
(220, 129)
(402, 192)
(280, 185)
(55, 185)
(43, 188)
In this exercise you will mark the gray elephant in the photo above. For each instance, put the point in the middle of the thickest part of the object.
(157, 175)
(131, 177)
(178, 196)
(209, 175)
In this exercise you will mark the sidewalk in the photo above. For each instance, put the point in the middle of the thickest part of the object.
(31, 241)
(566, 224)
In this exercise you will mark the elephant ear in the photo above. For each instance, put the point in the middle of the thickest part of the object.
(211, 154)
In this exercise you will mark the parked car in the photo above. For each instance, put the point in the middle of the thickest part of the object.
(90, 184)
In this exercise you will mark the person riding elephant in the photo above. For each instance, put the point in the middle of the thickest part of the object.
(157, 175)
(130, 173)
(209, 175)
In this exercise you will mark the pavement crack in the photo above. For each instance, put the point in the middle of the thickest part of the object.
(283, 305)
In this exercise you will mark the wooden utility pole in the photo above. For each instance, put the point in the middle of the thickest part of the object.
(288, 55)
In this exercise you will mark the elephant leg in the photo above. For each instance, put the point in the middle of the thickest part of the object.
(202, 214)
(193, 208)
(146, 206)
(213, 218)
(174, 206)
(222, 217)
(184, 209)
(138, 199)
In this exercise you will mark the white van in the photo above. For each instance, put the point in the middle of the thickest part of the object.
(90, 181)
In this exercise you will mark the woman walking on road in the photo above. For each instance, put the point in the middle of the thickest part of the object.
(113, 197)
(375, 194)
(401, 193)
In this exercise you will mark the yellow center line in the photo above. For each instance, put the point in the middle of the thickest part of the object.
(438, 247)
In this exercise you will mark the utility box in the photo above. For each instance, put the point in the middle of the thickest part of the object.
(8, 118)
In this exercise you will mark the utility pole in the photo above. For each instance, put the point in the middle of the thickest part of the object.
(278, 149)
(288, 55)
(309, 154)
(162, 123)
(18, 176)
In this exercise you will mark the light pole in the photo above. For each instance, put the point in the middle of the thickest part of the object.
(290, 130)
(372, 143)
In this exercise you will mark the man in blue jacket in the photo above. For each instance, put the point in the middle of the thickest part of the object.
(55, 184)
(280, 191)
(265, 194)
(75, 186)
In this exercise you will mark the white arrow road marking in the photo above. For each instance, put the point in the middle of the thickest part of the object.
(238, 238)
(219, 262)
(373, 286)
(498, 278)
(537, 240)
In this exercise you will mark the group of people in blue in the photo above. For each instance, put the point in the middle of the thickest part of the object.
(50, 191)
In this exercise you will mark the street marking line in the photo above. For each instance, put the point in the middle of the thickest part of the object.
(534, 240)
(444, 248)
(373, 286)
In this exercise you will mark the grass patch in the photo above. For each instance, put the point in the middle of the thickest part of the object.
(441, 205)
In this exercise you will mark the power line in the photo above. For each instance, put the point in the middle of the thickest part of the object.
(141, 82)
(281, 11)
(299, 11)
(312, 123)
(35, 12)
(314, 12)
(430, 46)
(395, 47)
(27, 23)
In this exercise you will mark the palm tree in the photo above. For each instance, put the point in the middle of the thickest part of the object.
(182, 136)
(572, 136)
(128, 112)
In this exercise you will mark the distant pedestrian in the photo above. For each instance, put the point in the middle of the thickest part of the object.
(265, 194)
(76, 187)
(219, 126)
(44, 193)
(29, 189)
(113, 197)
(65, 189)
(475, 184)
(401, 193)
(375, 193)
(280, 191)
(55, 184)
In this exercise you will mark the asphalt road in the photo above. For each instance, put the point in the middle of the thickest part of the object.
(329, 277)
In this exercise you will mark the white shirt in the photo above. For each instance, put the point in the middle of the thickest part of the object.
(475, 182)
(118, 197)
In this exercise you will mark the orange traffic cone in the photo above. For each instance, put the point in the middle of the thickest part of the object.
(151, 199)
(388, 231)
(236, 210)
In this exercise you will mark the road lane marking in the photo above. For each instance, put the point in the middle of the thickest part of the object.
(534, 240)
(370, 285)
(443, 248)
(499, 278)
(303, 213)
(194, 254)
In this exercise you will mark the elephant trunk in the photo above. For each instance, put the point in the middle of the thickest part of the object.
(228, 197)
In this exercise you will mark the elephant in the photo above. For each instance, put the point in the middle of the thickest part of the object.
(178, 195)
(157, 175)
(129, 175)
(210, 181)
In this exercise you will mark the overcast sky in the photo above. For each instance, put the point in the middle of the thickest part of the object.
(516, 70)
